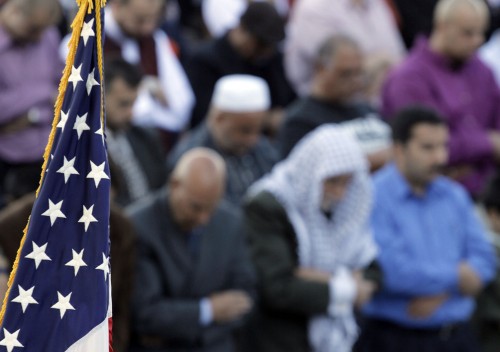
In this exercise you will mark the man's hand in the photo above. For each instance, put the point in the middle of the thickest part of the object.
(468, 281)
(424, 307)
(379, 158)
(153, 86)
(16, 125)
(230, 305)
(312, 275)
(364, 289)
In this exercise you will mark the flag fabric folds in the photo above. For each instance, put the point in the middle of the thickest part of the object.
(59, 294)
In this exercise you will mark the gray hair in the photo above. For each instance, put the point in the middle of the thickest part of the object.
(331, 46)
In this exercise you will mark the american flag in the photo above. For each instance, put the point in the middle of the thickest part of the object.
(59, 299)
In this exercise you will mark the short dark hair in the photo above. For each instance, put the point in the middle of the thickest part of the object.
(405, 120)
(118, 68)
(490, 196)
(264, 23)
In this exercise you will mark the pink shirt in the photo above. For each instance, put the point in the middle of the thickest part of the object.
(313, 21)
(29, 77)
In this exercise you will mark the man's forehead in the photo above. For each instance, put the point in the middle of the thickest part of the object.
(144, 6)
(427, 132)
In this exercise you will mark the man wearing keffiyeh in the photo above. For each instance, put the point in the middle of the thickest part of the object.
(307, 223)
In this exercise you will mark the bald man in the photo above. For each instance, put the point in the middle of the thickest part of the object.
(444, 73)
(194, 280)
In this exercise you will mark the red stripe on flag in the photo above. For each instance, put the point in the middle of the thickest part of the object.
(110, 329)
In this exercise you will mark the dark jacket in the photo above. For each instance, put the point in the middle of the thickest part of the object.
(218, 58)
(279, 322)
(308, 113)
(171, 281)
(147, 148)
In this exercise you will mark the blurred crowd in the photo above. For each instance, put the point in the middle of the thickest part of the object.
(287, 175)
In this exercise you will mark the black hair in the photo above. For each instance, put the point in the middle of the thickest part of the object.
(405, 120)
(118, 68)
(264, 23)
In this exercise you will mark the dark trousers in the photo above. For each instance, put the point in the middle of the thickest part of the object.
(383, 336)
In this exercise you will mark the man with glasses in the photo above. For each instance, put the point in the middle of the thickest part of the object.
(336, 85)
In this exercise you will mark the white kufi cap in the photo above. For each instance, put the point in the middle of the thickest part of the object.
(241, 93)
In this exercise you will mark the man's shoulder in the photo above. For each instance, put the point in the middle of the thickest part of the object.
(226, 209)
(144, 208)
(199, 137)
(265, 203)
(385, 175)
(227, 221)
(210, 51)
(264, 148)
(303, 105)
(412, 66)
(143, 134)
(307, 111)
(452, 190)
(387, 183)
(481, 69)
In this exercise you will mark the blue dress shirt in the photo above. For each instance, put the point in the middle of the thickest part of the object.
(422, 239)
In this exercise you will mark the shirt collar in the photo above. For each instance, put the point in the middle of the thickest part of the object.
(402, 190)
(423, 48)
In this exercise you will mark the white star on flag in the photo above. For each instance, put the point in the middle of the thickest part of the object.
(87, 31)
(63, 303)
(75, 76)
(10, 340)
(54, 212)
(69, 222)
(97, 173)
(77, 261)
(62, 120)
(38, 254)
(87, 217)
(25, 297)
(100, 132)
(68, 169)
(91, 81)
(104, 266)
(81, 125)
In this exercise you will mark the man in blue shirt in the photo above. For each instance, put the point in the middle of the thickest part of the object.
(434, 253)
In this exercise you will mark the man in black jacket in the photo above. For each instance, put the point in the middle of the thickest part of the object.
(250, 48)
(136, 151)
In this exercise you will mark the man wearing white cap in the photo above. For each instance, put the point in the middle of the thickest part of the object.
(233, 128)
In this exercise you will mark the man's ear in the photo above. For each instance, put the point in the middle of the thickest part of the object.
(318, 67)
(173, 183)
(398, 149)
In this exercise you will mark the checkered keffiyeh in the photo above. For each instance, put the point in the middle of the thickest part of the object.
(326, 244)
